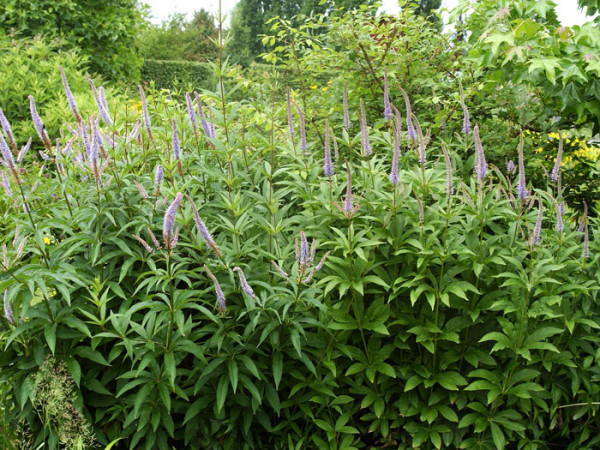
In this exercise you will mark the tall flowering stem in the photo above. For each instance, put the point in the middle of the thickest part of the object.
(364, 131)
(387, 110)
(466, 120)
(555, 174)
(290, 118)
(328, 164)
(449, 181)
(410, 128)
(176, 147)
(147, 123)
(521, 183)
(39, 125)
(345, 108)
(70, 98)
(480, 163)
(537, 229)
(303, 144)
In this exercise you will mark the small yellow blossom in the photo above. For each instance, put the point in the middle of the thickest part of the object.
(47, 240)
(314, 86)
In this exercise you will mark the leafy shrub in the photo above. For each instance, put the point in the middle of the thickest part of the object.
(103, 31)
(36, 62)
(462, 320)
(176, 74)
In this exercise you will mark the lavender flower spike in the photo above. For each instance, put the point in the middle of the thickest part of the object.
(245, 286)
(348, 202)
(397, 125)
(582, 223)
(100, 103)
(8, 130)
(535, 238)
(480, 164)
(345, 109)
(449, 183)
(387, 110)
(409, 125)
(279, 269)
(211, 123)
(290, 118)
(6, 184)
(328, 165)
(421, 142)
(210, 242)
(202, 116)
(304, 253)
(521, 183)
(39, 125)
(556, 169)
(8, 312)
(221, 302)
(70, 98)
(169, 220)
(303, 145)
(560, 213)
(175, 141)
(191, 112)
(143, 242)
(145, 111)
(158, 176)
(510, 166)
(7, 155)
(364, 131)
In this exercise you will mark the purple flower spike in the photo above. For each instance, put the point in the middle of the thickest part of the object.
(221, 302)
(348, 209)
(480, 163)
(6, 184)
(556, 169)
(7, 155)
(175, 141)
(169, 220)
(211, 124)
(364, 131)
(560, 214)
(8, 130)
(279, 270)
(582, 223)
(409, 124)
(535, 238)
(449, 183)
(158, 176)
(210, 242)
(421, 143)
(328, 165)
(510, 167)
(387, 110)
(202, 116)
(8, 312)
(191, 112)
(38, 124)
(521, 183)
(70, 98)
(345, 109)
(303, 144)
(586, 243)
(397, 125)
(143, 242)
(304, 253)
(101, 103)
(245, 286)
(290, 118)
(145, 112)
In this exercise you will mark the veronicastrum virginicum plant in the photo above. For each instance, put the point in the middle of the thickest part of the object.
(441, 306)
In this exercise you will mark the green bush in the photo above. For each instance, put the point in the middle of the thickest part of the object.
(177, 75)
(30, 67)
(439, 317)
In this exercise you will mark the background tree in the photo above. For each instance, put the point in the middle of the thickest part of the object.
(249, 20)
(104, 31)
(179, 39)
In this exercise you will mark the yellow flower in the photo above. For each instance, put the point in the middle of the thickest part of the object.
(325, 88)
(46, 240)
(314, 86)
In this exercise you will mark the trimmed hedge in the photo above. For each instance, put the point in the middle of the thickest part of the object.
(176, 74)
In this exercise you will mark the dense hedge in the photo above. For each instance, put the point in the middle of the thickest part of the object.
(176, 74)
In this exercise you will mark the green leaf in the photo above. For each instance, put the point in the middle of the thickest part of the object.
(222, 392)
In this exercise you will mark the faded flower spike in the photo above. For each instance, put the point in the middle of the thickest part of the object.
(560, 213)
(586, 243)
(480, 163)
(364, 131)
(143, 242)
(141, 190)
(245, 286)
(583, 221)
(556, 169)
(521, 183)
(39, 125)
(8, 130)
(349, 209)
(169, 220)
(537, 229)
(397, 126)
(145, 112)
(328, 165)
(409, 124)
(8, 312)
(7, 155)
(221, 302)
(70, 98)
(203, 230)
(6, 184)
(387, 110)
(449, 181)
(290, 118)
(345, 109)
(303, 144)
(466, 120)
(421, 143)
(279, 269)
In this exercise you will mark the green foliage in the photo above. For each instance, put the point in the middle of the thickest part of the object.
(177, 74)
(103, 31)
(36, 62)
(435, 320)
(179, 39)
(522, 42)
(250, 20)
